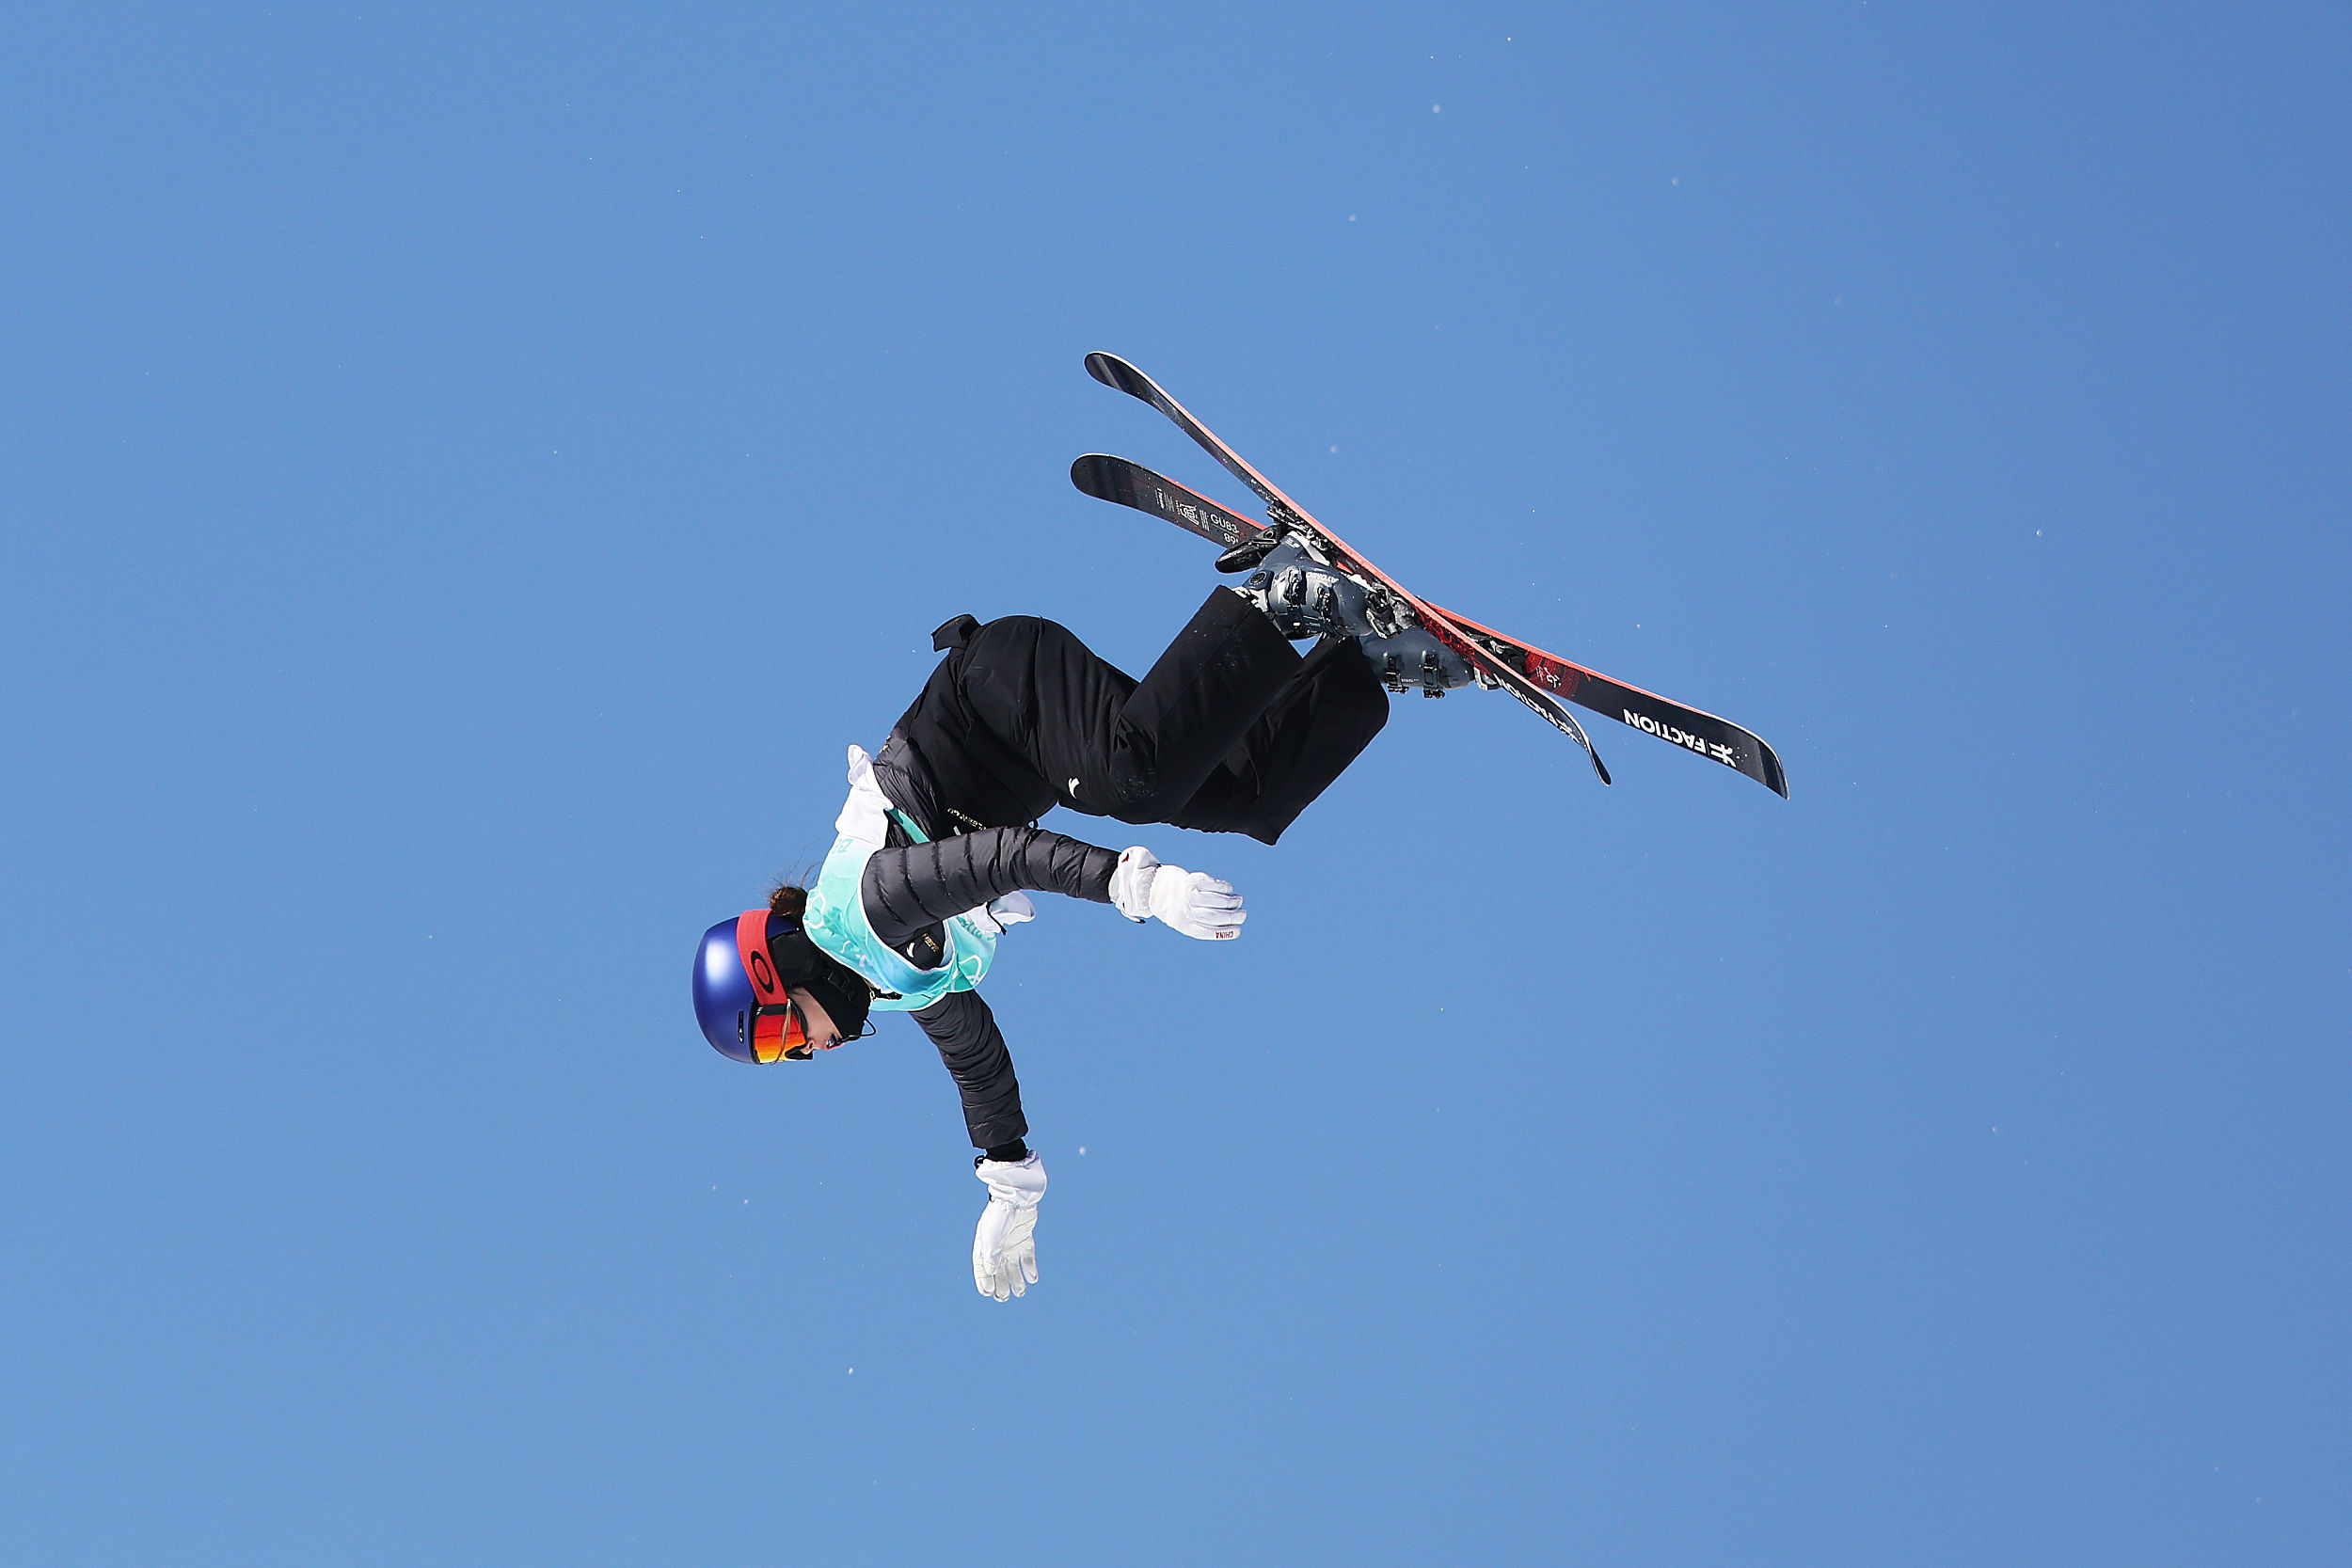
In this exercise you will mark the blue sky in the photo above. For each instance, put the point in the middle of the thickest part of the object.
(469, 474)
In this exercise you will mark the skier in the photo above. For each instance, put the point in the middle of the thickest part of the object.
(1232, 730)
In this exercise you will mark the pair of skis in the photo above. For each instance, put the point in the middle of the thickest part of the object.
(1543, 681)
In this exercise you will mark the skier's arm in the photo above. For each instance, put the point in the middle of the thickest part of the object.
(905, 890)
(961, 1024)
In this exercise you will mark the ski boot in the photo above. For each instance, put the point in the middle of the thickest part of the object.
(1411, 658)
(1305, 596)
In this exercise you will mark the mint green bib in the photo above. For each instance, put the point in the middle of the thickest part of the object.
(835, 922)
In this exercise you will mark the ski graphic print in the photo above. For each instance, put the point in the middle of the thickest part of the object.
(1521, 664)
(1115, 479)
(1719, 739)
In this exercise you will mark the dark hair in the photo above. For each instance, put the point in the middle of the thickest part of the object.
(787, 901)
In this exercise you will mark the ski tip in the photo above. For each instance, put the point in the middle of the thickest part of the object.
(1775, 778)
(1116, 373)
(1598, 767)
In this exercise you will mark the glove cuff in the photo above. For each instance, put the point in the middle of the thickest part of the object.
(1131, 883)
(1018, 1182)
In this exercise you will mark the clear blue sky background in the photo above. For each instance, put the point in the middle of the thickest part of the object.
(465, 477)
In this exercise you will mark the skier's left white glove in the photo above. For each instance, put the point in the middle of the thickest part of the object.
(866, 815)
(995, 916)
(1004, 1252)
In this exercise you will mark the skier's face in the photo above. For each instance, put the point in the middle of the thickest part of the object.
(816, 1024)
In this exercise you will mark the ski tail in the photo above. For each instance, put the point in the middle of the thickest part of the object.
(1742, 749)
(1115, 479)
(1115, 372)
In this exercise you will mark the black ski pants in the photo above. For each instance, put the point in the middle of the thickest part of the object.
(1231, 730)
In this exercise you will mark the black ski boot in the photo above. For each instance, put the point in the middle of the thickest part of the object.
(1412, 658)
(1304, 597)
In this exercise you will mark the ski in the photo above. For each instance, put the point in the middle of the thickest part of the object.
(1528, 673)
(1113, 371)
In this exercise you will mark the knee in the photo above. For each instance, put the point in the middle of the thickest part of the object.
(1135, 795)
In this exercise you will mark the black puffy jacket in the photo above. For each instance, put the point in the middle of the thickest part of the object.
(908, 889)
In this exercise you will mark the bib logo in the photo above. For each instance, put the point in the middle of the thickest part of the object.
(1667, 732)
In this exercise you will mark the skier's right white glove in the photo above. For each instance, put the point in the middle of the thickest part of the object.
(1193, 902)
(1004, 1248)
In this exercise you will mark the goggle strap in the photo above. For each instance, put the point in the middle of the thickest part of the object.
(751, 945)
(772, 996)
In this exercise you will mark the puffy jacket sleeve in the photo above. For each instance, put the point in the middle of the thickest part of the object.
(965, 1032)
(907, 889)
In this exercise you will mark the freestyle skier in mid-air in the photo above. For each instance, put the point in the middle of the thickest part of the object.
(1233, 730)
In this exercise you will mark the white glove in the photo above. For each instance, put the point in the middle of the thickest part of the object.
(866, 815)
(1003, 1255)
(1193, 902)
(1012, 910)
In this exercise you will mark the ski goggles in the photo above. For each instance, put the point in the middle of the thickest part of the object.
(779, 1033)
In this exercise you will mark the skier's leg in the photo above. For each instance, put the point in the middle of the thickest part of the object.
(1101, 741)
(1033, 707)
(1195, 706)
(1320, 723)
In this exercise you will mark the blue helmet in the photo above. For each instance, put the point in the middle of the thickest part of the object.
(725, 1002)
(744, 970)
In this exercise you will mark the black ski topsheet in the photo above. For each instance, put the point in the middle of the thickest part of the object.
(1740, 750)
(1131, 484)
(1111, 370)
(1115, 479)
